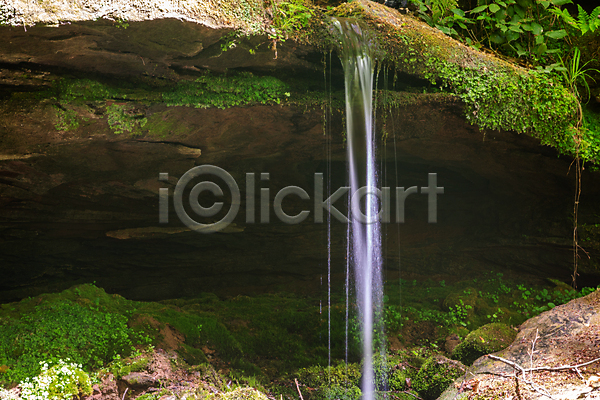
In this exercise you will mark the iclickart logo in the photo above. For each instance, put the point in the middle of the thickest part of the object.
(320, 205)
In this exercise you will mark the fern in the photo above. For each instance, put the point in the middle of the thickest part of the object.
(441, 8)
(583, 20)
(564, 14)
(594, 19)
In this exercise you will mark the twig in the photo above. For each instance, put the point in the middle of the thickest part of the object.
(516, 366)
(532, 351)
(124, 393)
(563, 367)
(298, 387)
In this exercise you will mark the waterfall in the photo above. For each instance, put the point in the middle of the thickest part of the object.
(365, 232)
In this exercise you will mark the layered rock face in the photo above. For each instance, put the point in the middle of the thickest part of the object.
(89, 121)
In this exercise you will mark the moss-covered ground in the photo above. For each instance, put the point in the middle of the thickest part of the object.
(269, 340)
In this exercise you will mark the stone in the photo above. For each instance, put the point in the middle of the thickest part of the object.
(435, 375)
(484, 340)
(451, 342)
(139, 380)
(568, 334)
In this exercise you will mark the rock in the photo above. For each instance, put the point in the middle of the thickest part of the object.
(242, 394)
(451, 342)
(484, 340)
(435, 375)
(106, 390)
(566, 335)
(139, 380)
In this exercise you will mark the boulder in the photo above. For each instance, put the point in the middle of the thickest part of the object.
(484, 340)
(567, 335)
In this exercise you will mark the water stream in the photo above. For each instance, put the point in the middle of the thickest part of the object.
(364, 228)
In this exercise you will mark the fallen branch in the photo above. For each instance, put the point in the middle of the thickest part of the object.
(563, 367)
(532, 351)
(517, 367)
(298, 387)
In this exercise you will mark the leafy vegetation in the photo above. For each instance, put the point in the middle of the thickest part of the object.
(258, 338)
(540, 33)
(227, 91)
(66, 119)
(62, 381)
(54, 330)
(464, 306)
(121, 120)
(289, 16)
(576, 74)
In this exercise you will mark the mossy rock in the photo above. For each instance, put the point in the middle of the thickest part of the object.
(400, 377)
(338, 392)
(466, 299)
(498, 314)
(436, 375)
(192, 355)
(340, 375)
(239, 394)
(485, 340)
(208, 373)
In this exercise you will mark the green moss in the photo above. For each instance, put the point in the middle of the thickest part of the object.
(66, 119)
(400, 378)
(122, 119)
(341, 381)
(485, 340)
(163, 125)
(122, 367)
(496, 94)
(239, 394)
(227, 91)
(191, 355)
(494, 99)
(435, 376)
(55, 327)
(341, 375)
(338, 392)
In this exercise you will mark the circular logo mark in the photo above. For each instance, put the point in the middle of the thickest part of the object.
(215, 190)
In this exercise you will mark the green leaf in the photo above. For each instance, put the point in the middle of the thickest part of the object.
(515, 28)
(556, 34)
(479, 9)
(494, 8)
(545, 3)
(520, 12)
(537, 28)
(541, 49)
(503, 4)
(561, 2)
(583, 20)
(526, 27)
(510, 36)
(458, 11)
(497, 38)
(595, 19)
(448, 31)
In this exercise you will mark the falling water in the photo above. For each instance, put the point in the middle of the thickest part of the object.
(365, 232)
